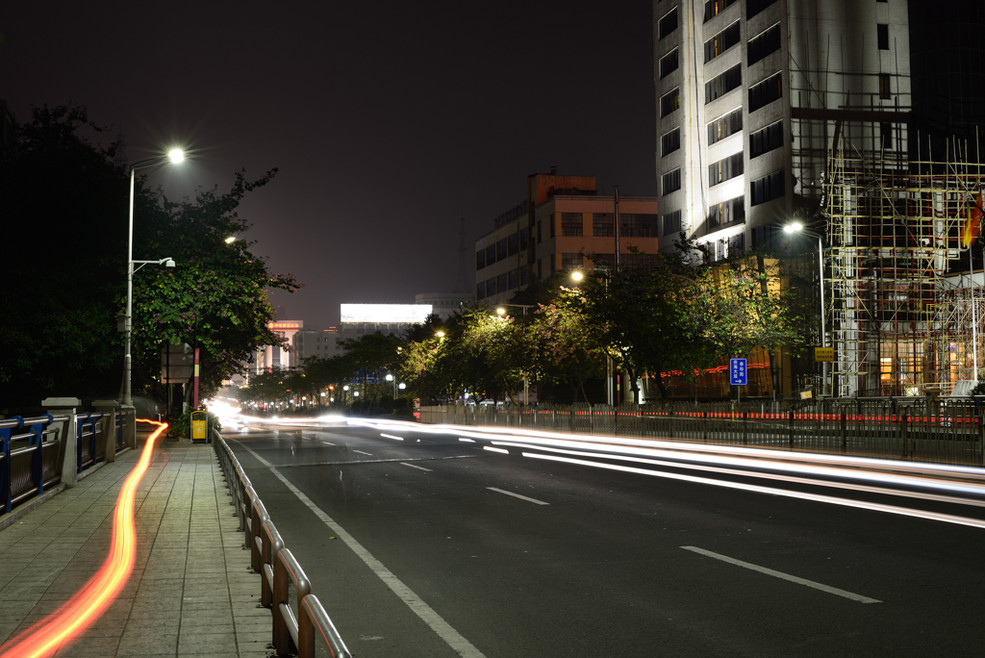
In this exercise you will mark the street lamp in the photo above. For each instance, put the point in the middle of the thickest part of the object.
(798, 227)
(176, 156)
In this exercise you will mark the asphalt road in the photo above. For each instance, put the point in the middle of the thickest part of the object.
(441, 548)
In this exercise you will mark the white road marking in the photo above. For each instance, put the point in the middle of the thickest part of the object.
(783, 576)
(420, 468)
(363, 452)
(442, 628)
(392, 436)
(328, 443)
(516, 495)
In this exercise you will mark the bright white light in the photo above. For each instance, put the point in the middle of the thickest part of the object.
(177, 156)
(395, 313)
(793, 227)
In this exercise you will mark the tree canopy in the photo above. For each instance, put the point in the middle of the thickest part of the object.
(64, 191)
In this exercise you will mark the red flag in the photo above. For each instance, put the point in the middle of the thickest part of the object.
(973, 227)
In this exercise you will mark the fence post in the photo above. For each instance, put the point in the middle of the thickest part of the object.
(790, 426)
(844, 433)
(67, 436)
(108, 437)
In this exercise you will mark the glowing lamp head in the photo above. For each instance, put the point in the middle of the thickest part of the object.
(176, 156)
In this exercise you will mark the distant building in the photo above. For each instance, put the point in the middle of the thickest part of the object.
(750, 97)
(445, 304)
(316, 343)
(564, 224)
(279, 357)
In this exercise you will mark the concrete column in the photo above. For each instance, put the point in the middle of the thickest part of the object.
(67, 435)
(107, 434)
(129, 426)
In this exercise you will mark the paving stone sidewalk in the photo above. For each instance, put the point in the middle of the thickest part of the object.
(191, 592)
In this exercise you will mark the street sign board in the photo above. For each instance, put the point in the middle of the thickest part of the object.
(824, 354)
(737, 372)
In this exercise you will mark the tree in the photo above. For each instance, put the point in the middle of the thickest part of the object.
(63, 203)
(741, 305)
(215, 299)
(65, 199)
(562, 345)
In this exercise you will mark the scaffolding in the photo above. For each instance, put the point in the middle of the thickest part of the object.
(906, 290)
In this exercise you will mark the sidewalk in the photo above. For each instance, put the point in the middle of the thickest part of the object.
(191, 591)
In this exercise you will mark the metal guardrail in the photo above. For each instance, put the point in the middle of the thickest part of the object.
(300, 623)
(948, 431)
(32, 452)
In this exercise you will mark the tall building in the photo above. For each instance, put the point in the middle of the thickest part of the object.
(750, 96)
(563, 224)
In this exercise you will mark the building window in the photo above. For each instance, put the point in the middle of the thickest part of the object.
(886, 134)
(491, 287)
(571, 223)
(669, 63)
(727, 212)
(638, 225)
(765, 92)
(724, 126)
(672, 223)
(603, 261)
(671, 181)
(480, 259)
(514, 276)
(882, 36)
(724, 83)
(765, 140)
(571, 262)
(715, 7)
(501, 249)
(764, 44)
(513, 244)
(490, 254)
(884, 91)
(725, 169)
(480, 290)
(670, 141)
(670, 102)
(602, 224)
(721, 42)
(766, 188)
(753, 7)
(667, 24)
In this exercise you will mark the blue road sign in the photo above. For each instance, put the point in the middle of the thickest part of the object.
(737, 372)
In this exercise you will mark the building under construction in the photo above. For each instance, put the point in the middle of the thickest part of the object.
(905, 272)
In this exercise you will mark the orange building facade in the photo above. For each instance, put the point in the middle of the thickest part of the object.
(563, 225)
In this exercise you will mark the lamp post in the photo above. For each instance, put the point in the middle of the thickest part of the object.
(176, 156)
(798, 227)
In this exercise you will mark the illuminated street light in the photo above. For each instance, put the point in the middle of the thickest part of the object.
(176, 156)
(577, 276)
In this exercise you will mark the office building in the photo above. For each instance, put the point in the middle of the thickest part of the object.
(750, 97)
(563, 224)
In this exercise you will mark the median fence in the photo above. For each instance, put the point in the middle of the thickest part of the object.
(42, 456)
(948, 431)
(300, 624)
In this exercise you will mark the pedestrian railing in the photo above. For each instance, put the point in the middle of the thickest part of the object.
(300, 624)
(921, 429)
(33, 451)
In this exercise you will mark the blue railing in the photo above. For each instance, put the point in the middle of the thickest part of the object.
(32, 451)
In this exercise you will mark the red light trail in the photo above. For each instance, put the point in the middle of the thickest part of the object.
(76, 615)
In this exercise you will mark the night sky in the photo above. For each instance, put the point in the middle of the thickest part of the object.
(389, 122)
